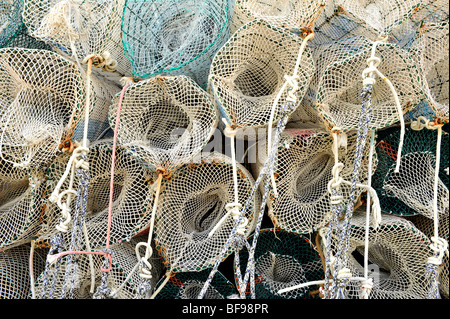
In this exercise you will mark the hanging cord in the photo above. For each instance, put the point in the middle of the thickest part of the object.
(31, 272)
(439, 245)
(292, 82)
(265, 171)
(51, 271)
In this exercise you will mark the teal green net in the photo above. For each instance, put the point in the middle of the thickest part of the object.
(181, 36)
(187, 285)
(282, 260)
(10, 20)
(416, 172)
(24, 40)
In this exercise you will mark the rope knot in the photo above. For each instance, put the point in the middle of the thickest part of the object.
(366, 287)
(102, 61)
(344, 274)
(234, 210)
(439, 247)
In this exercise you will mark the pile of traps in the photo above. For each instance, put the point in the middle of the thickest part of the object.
(224, 149)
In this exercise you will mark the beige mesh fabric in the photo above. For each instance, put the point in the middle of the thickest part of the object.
(337, 82)
(303, 170)
(289, 14)
(42, 100)
(131, 197)
(90, 27)
(248, 72)
(426, 225)
(398, 254)
(15, 271)
(124, 260)
(20, 204)
(431, 50)
(414, 184)
(165, 121)
(190, 206)
(380, 15)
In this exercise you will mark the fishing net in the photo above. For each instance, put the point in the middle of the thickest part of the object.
(181, 36)
(132, 196)
(24, 40)
(20, 204)
(426, 225)
(43, 98)
(81, 30)
(193, 202)
(10, 20)
(397, 257)
(410, 191)
(304, 168)
(15, 271)
(122, 280)
(248, 72)
(187, 285)
(284, 259)
(165, 121)
(288, 14)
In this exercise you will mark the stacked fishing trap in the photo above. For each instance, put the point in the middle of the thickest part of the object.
(224, 149)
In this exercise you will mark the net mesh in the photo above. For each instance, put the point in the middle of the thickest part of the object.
(77, 28)
(122, 280)
(284, 259)
(10, 20)
(191, 205)
(14, 271)
(132, 196)
(165, 121)
(187, 285)
(304, 168)
(397, 255)
(248, 72)
(43, 98)
(182, 36)
(411, 190)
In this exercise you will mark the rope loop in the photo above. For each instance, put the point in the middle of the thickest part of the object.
(103, 61)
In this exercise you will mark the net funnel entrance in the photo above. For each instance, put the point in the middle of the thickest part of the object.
(14, 271)
(182, 36)
(398, 254)
(165, 121)
(304, 168)
(191, 205)
(187, 285)
(282, 260)
(248, 72)
(410, 191)
(131, 198)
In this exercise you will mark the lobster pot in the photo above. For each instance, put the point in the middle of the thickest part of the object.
(187, 285)
(304, 163)
(24, 40)
(398, 254)
(124, 260)
(282, 260)
(431, 48)
(382, 16)
(289, 14)
(248, 72)
(15, 271)
(43, 99)
(164, 121)
(426, 225)
(131, 197)
(10, 20)
(337, 83)
(411, 190)
(79, 29)
(191, 204)
(20, 204)
(181, 36)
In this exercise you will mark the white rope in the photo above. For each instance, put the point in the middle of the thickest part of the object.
(292, 81)
(168, 274)
(31, 273)
(91, 260)
(344, 273)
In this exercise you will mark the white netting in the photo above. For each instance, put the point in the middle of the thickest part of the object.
(77, 28)
(122, 280)
(132, 197)
(43, 98)
(304, 168)
(248, 72)
(165, 121)
(15, 281)
(192, 202)
(398, 253)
